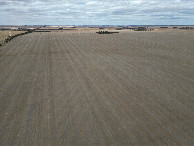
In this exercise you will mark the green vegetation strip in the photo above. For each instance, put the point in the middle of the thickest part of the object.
(106, 32)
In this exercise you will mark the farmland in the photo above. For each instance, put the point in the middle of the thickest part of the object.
(5, 33)
(83, 88)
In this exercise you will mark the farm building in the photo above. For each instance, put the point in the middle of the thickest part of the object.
(186, 28)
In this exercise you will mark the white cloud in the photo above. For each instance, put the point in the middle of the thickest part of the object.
(96, 12)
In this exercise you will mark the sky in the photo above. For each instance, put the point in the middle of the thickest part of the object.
(96, 12)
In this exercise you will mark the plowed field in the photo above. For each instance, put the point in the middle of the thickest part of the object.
(71, 88)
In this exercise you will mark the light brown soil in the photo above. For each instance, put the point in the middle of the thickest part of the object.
(4, 34)
(70, 88)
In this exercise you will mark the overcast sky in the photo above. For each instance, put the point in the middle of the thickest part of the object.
(96, 12)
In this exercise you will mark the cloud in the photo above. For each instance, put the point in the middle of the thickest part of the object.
(64, 12)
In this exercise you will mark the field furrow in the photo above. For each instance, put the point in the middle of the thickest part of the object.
(82, 88)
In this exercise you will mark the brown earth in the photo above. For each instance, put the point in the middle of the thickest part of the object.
(70, 88)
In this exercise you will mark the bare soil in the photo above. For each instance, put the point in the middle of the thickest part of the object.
(82, 88)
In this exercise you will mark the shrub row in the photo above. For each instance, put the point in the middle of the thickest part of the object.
(42, 31)
(106, 32)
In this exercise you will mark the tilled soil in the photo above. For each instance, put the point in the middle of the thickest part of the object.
(71, 88)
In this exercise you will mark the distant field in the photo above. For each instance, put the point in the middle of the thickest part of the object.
(83, 88)
(4, 34)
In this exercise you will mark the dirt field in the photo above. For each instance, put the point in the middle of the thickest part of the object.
(4, 34)
(71, 88)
